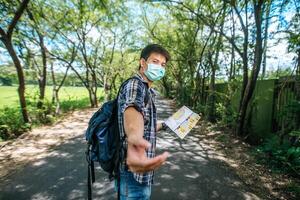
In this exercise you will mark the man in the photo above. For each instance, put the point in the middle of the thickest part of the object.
(138, 122)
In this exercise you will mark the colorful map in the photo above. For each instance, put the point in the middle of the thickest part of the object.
(182, 121)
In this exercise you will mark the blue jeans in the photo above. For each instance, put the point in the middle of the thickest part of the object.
(131, 189)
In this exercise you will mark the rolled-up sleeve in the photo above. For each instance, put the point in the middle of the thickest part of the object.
(132, 95)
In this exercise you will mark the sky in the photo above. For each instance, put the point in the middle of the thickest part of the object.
(278, 57)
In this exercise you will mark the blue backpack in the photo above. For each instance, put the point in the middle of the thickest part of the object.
(103, 138)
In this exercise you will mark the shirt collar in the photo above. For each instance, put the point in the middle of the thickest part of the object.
(141, 78)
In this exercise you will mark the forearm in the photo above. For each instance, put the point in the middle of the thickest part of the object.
(133, 124)
(137, 160)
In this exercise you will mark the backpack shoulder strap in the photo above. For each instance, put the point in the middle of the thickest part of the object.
(147, 97)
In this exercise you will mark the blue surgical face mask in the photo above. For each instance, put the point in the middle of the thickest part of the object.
(155, 72)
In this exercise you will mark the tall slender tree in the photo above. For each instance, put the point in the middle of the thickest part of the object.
(6, 38)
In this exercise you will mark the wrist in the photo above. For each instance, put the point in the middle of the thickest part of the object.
(164, 126)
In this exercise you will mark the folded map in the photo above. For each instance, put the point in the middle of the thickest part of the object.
(182, 121)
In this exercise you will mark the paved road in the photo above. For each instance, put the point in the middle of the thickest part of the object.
(192, 172)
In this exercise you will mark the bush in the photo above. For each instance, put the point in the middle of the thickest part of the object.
(43, 115)
(11, 123)
(73, 104)
(7, 81)
(226, 116)
(281, 155)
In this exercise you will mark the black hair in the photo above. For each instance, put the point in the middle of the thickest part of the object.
(154, 48)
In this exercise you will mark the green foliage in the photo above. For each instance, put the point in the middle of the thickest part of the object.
(289, 115)
(283, 150)
(295, 134)
(294, 188)
(294, 35)
(11, 123)
(74, 103)
(9, 95)
(6, 81)
(43, 115)
(8, 75)
(281, 155)
(278, 73)
(226, 116)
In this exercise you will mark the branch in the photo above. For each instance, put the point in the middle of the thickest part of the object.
(238, 14)
(69, 64)
(17, 17)
(210, 25)
(65, 76)
(3, 34)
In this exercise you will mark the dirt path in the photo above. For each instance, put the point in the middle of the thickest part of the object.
(49, 163)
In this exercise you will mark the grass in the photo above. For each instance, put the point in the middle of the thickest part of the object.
(9, 94)
(11, 121)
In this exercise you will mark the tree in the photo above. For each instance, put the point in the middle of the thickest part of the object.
(88, 26)
(214, 65)
(249, 15)
(6, 38)
(245, 98)
(294, 39)
(42, 73)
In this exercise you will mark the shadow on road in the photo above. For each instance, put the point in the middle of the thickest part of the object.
(61, 175)
(190, 172)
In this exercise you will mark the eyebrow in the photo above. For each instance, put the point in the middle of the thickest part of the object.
(155, 59)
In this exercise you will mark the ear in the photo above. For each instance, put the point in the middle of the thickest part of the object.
(143, 63)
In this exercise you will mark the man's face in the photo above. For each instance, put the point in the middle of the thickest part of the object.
(154, 58)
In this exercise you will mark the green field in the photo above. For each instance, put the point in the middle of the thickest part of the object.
(9, 95)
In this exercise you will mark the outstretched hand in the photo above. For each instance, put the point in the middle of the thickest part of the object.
(137, 160)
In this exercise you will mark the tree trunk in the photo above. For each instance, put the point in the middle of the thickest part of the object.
(297, 88)
(42, 77)
(106, 88)
(94, 88)
(197, 92)
(113, 86)
(6, 38)
(192, 79)
(232, 65)
(265, 44)
(211, 96)
(232, 59)
(203, 96)
(298, 64)
(20, 73)
(53, 83)
(55, 96)
(255, 70)
(245, 57)
(93, 98)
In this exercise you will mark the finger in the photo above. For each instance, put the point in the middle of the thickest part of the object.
(149, 164)
(148, 168)
(162, 158)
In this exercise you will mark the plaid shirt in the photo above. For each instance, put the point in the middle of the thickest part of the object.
(133, 94)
